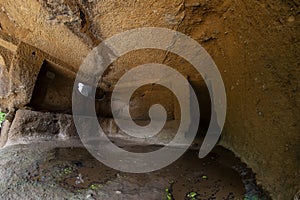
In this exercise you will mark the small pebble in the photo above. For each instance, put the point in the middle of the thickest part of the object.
(118, 192)
(291, 19)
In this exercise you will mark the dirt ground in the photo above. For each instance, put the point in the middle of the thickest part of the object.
(72, 173)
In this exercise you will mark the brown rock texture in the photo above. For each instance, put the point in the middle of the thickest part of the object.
(255, 45)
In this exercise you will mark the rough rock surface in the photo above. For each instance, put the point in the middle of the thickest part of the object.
(31, 126)
(255, 45)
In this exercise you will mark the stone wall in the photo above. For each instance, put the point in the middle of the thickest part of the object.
(255, 45)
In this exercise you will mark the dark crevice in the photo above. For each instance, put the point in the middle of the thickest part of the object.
(87, 27)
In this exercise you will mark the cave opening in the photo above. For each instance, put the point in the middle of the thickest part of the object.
(254, 45)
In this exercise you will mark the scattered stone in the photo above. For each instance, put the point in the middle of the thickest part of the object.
(79, 179)
(118, 192)
(291, 19)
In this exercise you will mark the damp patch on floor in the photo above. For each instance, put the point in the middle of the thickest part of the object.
(74, 174)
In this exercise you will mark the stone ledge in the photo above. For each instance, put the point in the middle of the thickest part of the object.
(33, 126)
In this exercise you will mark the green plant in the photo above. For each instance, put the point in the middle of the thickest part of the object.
(67, 170)
(168, 194)
(192, 195)
(2, 118)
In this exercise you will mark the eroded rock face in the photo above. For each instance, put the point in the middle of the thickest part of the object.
(32, 126)
(254, 44)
